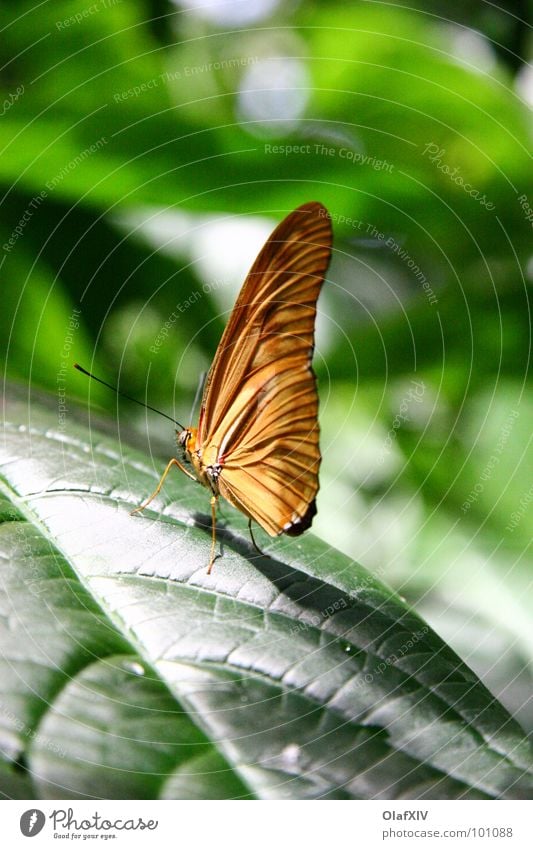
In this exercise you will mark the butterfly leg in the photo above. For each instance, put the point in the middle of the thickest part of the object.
(253, 538)
(214, 500)
(157, 490)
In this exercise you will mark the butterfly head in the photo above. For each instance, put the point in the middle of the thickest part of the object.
(202, 463)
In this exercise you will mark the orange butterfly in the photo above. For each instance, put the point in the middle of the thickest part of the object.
(256, 443)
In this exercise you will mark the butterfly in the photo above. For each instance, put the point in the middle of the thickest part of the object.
(257, 439)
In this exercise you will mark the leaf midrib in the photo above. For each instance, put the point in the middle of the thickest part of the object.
(34, 521)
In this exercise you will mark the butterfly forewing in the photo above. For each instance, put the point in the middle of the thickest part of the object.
(259, 410)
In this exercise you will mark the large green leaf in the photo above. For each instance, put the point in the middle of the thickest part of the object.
(121, 122)
(129, 672)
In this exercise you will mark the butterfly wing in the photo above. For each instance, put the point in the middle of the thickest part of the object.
(259, 411)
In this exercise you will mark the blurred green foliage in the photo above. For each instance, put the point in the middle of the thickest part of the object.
(139, 129)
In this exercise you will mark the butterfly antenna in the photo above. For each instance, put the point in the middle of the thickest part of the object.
(123, 395)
